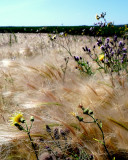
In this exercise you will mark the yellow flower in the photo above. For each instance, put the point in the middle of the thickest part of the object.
(97, 17)
(65, 34)
(101, 57)
(53, 37)
(16, 118)
(73, 113)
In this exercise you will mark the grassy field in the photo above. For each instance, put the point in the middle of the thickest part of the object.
(38, 77)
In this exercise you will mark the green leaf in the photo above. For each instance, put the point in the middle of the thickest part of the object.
(119, 123)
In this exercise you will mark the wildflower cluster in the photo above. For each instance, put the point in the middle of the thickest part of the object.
(113, 57)
(82, 65)
(67, 152)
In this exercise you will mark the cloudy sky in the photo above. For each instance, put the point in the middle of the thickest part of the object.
(61, 12)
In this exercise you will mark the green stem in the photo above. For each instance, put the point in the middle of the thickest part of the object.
(33, 146)
(95, 121)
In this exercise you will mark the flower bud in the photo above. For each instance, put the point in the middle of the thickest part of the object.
(48, 129)
(19, 126)
(85, 111)
(79, 118)
(16, 124)
(32, 119)
(22, 120)
(90, 112)
(56, 134)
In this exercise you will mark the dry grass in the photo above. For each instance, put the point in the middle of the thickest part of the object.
(31, 80)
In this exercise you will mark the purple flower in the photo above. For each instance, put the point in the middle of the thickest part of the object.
(56, 133)
(48, 129)
(115, 38)
(76, 58)
(110, 49)
(124, 54)
(113, 53)
(85, 49)
(91, 157)
(120, 43)
(106, 61)
(99, 42)
(89, 50)
(124, 49)
(111, 42)
(102, 47)
(107, 40)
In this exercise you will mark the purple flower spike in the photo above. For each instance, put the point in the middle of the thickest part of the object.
(115, 38)
(102, 47)
(76, 58)
(120, 43)
(124, 54)
(89, 50)
(124, 49)
(107, 40)
(112, 53)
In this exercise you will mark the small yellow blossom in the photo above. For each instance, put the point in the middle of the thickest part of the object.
(73, 113)
(16, 118)
(53, 37)
(65, 34)
(101, 57)
(97, 17)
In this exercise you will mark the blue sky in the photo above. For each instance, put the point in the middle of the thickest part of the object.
(61, 12)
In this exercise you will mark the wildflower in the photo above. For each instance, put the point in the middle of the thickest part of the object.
(99, 42)
(101, 57)
(32, 119)
(124, 49)
(109, 24)
(107, 40)
(102, 47)
(97, 17)
(76, 58)
(16, 118)
(113, 53)
(48, 129)
(63, 133)
(53, 37)
(120, 43)
(56, 133)
(89, 50)
(73, 113)
(115, 38)
(65, 34)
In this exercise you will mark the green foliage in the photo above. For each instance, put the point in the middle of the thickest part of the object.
(72, 30)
